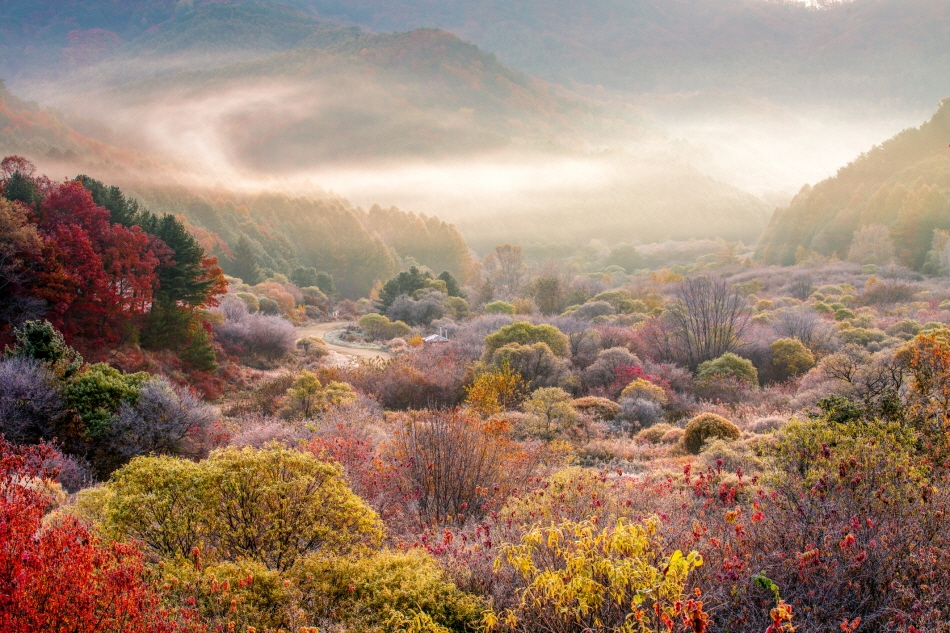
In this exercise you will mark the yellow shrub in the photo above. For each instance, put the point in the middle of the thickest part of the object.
(706, 426)
(386, 592)
(577, 576)
(645, 390)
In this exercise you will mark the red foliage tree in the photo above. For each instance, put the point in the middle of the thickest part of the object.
(95, 275)
(59, 577)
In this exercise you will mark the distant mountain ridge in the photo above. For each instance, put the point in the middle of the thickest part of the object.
(869, 49)
(862, 49)
(253, 90)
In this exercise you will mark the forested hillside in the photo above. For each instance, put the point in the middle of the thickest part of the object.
(902, 184)
(357, 248)
(30, 130)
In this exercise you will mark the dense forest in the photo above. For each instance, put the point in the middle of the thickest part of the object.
(600, 389)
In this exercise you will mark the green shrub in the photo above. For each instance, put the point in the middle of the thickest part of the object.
(243, 592)
(268, 305)
(728, 366)
(550, 412)
(526, 334)
(706, 426)
(97, 393)
(908, 328)
(654, 434)
(313, 296)
(457, 306)
(251, 301)
(42, 342)
(615, 298)
(379, 328)
(790, 358)
(862, 336)
(499, 307)
(272, 506)
(843, 314)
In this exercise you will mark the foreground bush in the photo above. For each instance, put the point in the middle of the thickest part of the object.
(271, 506)
(862, 506)
(705, 427)
(580, 577)
(458, 466)
(60, 576)
(388, 591)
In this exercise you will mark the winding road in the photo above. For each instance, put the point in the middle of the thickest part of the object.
(317, 330)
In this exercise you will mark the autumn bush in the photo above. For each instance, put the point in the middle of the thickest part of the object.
(598, 408)
(611, 367)
(254, 335)
(271, 506)
(57, 575)
(536, 363)
(32, 405)
(708, 426)
(550, 415)
(433, 376)
(386, 592)
(579, 576)
(307, 396)
(457, 466)
(164, 420)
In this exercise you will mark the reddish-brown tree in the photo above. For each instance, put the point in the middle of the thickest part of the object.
(60, 577)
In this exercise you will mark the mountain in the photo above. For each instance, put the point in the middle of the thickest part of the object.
(250, 96)
(52, 140)
(860, 49)
(903, 183)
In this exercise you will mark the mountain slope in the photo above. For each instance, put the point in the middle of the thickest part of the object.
(882, 186)
(54, 142)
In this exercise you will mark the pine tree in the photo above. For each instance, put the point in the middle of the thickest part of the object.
(451, 284)
(20, 188)
(244, 265)
(124, 211)
(325, 284)
(405, 283)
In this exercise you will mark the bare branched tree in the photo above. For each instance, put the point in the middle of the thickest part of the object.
(804, 324)
(511, 270)
(456, 464)
(801, 287)
(706, 320)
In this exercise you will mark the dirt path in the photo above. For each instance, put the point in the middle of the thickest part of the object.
(319, 329)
